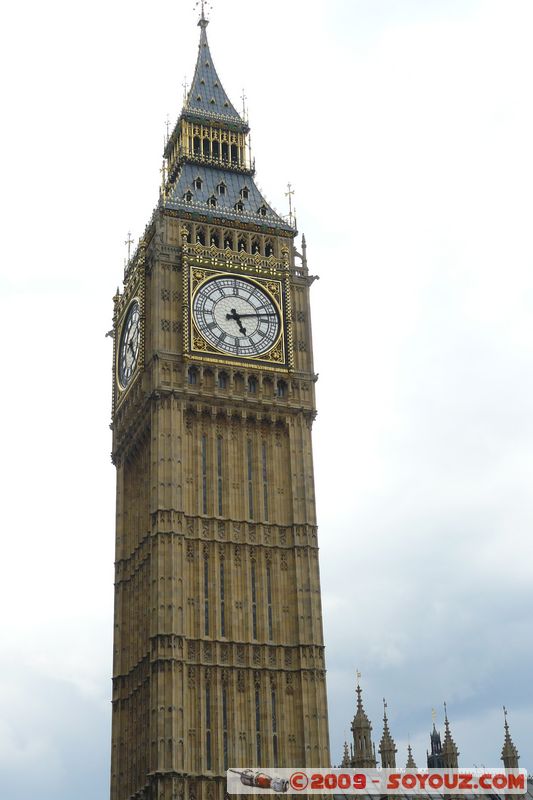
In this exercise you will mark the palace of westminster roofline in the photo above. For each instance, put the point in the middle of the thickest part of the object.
(442, 754)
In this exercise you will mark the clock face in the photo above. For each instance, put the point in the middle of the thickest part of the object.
(128, 353)
(236, 316)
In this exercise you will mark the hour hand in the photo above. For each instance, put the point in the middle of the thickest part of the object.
(237, 318)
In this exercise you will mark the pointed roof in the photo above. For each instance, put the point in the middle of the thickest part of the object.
(410, 760)
(436, 746)
(509, 752)
(387, 746)
(449, 748)
(207, 97)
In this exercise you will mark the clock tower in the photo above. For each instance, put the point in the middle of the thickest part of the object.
(218, 647)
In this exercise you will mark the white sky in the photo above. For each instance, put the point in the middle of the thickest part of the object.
(406, 128)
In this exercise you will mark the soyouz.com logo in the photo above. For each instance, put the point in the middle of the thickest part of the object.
(378, 781)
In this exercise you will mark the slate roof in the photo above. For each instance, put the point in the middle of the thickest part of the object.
(207, 96)
(211, 178)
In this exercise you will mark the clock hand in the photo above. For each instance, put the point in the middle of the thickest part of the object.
(257, 315)
(237, 318)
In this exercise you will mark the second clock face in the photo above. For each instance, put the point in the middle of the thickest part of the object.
(236, 316)
(128, 353)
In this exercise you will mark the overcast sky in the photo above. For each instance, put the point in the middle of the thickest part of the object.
(406, 128)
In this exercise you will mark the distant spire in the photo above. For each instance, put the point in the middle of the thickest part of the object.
(364, 754)
(346, 756)
(509, 752)
(435, 758)
(410, 760)
(387, 746)
(450, 752)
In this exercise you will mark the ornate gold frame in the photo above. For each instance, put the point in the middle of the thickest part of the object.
(196, 345)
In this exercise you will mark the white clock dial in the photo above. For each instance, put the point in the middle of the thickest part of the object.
(236, 316)
(128, 354)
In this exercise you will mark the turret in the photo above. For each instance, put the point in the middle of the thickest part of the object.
(364, 754)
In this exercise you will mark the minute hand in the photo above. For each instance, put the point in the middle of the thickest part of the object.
(266, 314)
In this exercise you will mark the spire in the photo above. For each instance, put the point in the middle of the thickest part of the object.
(435, 759)
(206, 97)
(509, 752)
(450, 752)
(410, 760)
(387, 746)
(346, 756)
(364, 755)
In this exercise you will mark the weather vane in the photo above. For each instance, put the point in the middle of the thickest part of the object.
(244, 99)
(185, 87)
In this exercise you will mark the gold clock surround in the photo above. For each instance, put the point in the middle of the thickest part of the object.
(195, 344)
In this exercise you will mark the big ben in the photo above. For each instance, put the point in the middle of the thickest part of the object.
(218, 646)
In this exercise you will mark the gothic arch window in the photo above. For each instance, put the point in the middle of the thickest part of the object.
(221, 188)
(281, 389)
(256, 247)
(245, 193)
(225, 151)
(262, 211)
(252, 385)
(269, 248)
(196, 145)
(212, 201)
(215, 149)
(239, 206)
(242, 244)
(188, 235)
(234, 153)
(222, 380)
(207, 147)
(188, 196)
(215, 239)
(200, 236)
(198, 183)
(228, 240)
(192, 376)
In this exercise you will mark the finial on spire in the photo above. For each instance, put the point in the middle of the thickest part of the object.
(290, 194)
(128, 243)
(505, 718)
(203, 22)
(167, 126)
(446, 714)
(384, 711)
(358, 680)
(433, 716)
